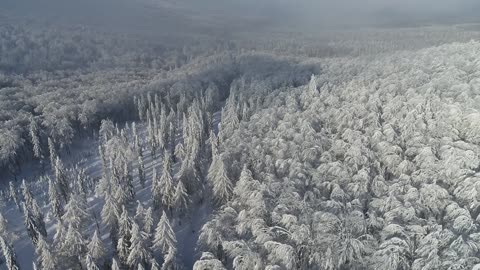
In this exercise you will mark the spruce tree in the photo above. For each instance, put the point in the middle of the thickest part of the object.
(52, 152)
(76, 211)
(54, 198)
(138, 252)
(9, 255)
(115, 265)
(222, 185)
(180, 198)
(46, 259)
(35, 138)
(90, 263)
(61, 179)
(164, 196)
(148, 221)
(141, 171)
(164, 237)
(95, 248)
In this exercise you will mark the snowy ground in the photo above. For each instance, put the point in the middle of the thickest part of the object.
(85, 153)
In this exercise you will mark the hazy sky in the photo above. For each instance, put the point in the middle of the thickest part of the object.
(181, 13)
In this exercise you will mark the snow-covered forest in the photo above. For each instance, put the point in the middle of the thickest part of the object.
(225, 147)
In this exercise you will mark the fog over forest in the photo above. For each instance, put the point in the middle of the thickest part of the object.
(245, 135)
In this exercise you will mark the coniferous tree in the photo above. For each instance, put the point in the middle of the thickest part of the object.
(54, 198)
(221, 184)
(164, 194)
(141, 171)
(95, 248)
(46, 259)
(129, 182)
(115, 265)
(180, 198)
(72, 245)
(59, 234)
(9, 255)
(76, 211)
(90, 263)
(3, 225)
(148, 222)
(164, 237)
(154, 265)
(110, 215)
(35, 138)
(123, 245)
(61, 179)
(13, 194)
(138, 251)
(53, 153)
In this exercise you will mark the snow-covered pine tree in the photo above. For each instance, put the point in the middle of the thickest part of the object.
(221, 184)
(208, 261)
(139, 213)
(61, 179)
(59, 234)
(164, 237)
(110, 214)
(152, 138)
(170, 260)
(163, 129)
(95, 248)
(54, 198)
(9, 255)
(45, 257)
(167, 189)
(53, 153)
(13, 194)
(76, 211)
(72, 245)
(35, 138)
(3, 226)
(154, 265)
(128, 182)
(115, 265)
(148, 222)
(138, 253)
(123, 245)
(180, 198)
(141, 171)
(90, 263)
(33, 221)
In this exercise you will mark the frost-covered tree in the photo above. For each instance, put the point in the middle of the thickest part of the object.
(164, 237)
(208, 261)
(95, 248)
(124, 236)
(141, 171)
(164, 191)
(76, 211)
(154, 265)
(148, 222)
(54, 198)
(52, 152)
(36, 139)
(13, 194)
(180, 198)
(139, 253)
(9, 255)
(45, 257)
(115, 264)
(221, 184)
(90, 263)
(61, 179)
